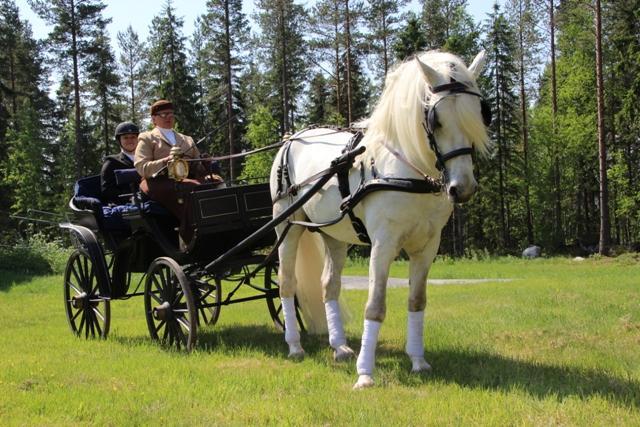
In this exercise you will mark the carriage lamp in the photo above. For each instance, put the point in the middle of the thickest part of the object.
(177, 166)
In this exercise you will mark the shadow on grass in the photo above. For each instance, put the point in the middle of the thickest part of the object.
(469, 369)
(8, 279)
(233, 338)
(491, 371)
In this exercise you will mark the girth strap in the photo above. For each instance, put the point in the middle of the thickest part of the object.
(345, 192)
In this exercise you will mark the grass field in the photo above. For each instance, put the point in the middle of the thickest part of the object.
(558, 345)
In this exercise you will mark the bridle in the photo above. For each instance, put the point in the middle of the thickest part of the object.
(431, 121)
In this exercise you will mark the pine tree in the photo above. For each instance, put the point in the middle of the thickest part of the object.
(449, 27)
(282, 43)
(224, 30)
(525, 16)
(411, 39)
(166, 69)
(327, 44)
(132, 54)
(103, 84)
(27, 125)
(621, 29)
(502, 75)
(605, 224)
(317, 107)
(76, 24)
(383, 18)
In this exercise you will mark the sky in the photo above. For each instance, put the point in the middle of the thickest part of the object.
(139, 13)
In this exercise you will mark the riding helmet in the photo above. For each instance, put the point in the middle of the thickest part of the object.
(126, 128)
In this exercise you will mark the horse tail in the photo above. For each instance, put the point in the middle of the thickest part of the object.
(309, 266)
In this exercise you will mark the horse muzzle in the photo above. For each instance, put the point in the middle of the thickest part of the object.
(459, 192)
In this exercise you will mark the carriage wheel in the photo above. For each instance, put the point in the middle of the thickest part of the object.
(169, 305)
(273, 299)
(208, 293)
(89, 314)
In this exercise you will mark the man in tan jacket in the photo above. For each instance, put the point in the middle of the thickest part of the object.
(151, 158)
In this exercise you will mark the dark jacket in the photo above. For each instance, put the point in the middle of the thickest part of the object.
(111, 192)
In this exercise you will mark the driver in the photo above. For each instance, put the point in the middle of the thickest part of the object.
(151, 158)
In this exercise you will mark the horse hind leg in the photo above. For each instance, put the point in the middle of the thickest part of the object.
(335, 256)
(287, 282)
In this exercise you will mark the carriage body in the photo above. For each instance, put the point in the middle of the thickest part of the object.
(119, 246)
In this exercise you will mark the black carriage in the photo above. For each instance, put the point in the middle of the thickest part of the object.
(183, 287)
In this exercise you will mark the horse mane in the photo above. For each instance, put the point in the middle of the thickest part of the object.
(399, 114)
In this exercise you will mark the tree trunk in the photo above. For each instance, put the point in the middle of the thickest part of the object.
(605, 225)
(229, 95)
(348, 65)
(503, 222)
(105, 123)
(525, 133)
(12, 76)
(558, 233)
(285, 87)
(76, 93)
(337, 58)
(132, 87)
(385, 53)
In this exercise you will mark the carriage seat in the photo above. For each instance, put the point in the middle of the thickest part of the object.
(86, 197)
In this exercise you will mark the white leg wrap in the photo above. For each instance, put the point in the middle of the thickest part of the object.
(334, 323)
(291, 334)
(415, 334)
(367, 356)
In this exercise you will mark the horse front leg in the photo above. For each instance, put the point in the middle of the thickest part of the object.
(382, 254)
(287, 282)
(335, 256)
(419, 264)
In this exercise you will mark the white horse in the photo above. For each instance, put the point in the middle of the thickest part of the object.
(397, 145)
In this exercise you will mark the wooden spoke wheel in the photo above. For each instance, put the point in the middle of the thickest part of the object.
(88, 313)
(274, 304)
(208, 293)
(169, 305)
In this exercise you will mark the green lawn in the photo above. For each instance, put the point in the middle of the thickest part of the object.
(560, 344)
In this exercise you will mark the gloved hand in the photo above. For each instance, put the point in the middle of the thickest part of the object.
(175, 152)
(213, 179)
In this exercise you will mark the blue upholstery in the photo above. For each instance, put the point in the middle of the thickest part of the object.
(126, 176)
(112, 217)
(86, 196)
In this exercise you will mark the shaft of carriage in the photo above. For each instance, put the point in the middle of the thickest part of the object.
(343, 161)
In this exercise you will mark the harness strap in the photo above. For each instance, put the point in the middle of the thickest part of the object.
(406, 161)
(405, 185)
(345, 192)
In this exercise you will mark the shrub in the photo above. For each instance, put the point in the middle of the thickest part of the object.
(37, 255)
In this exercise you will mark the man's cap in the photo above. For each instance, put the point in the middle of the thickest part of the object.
(161, 105)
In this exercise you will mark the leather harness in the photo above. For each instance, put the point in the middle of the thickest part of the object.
(426, 185)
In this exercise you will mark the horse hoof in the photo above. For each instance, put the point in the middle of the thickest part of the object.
(364, 381)
(419, 365)
(343, 353)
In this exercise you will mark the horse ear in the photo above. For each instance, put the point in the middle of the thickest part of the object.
(478, 63)
(430, 74)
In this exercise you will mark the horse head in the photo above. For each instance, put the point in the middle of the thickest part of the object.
(455, 120)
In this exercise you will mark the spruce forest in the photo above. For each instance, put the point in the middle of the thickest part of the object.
(562, 78)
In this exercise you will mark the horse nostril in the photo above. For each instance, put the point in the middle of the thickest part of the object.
(453, 191)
